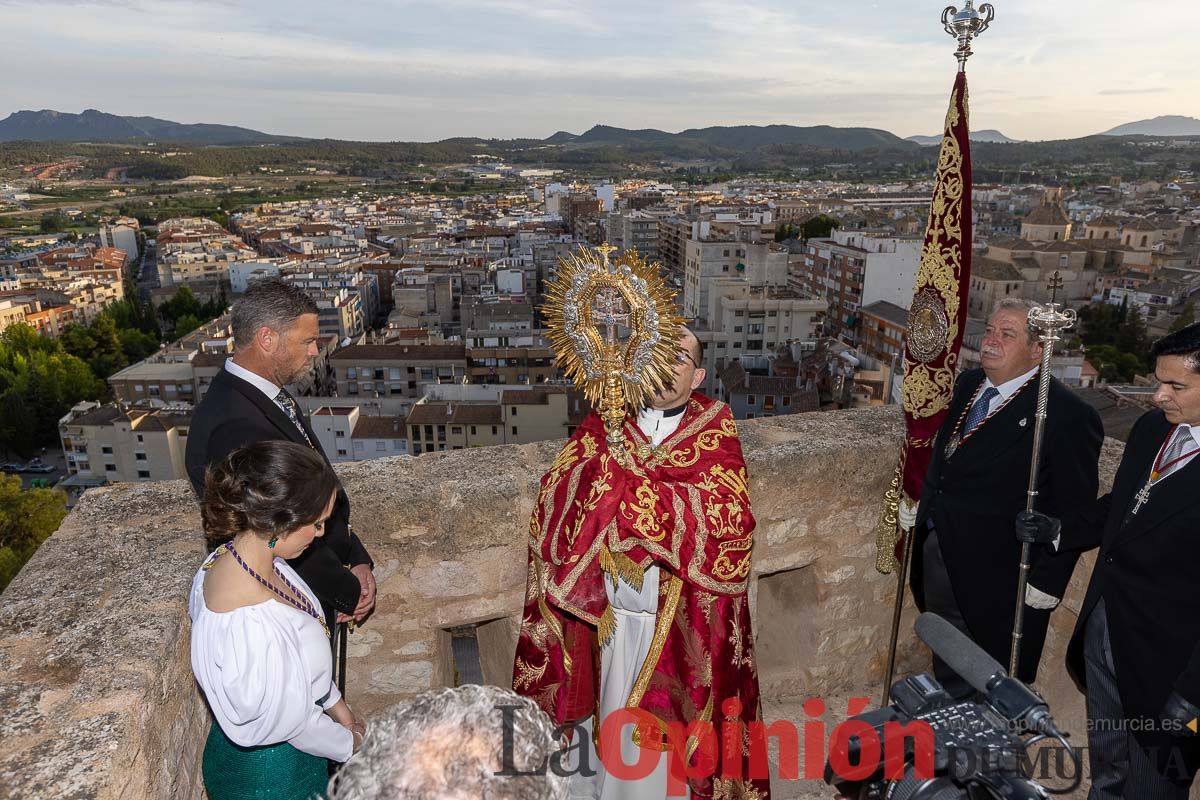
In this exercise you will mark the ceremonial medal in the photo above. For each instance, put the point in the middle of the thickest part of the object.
(1157, 470)
(952, 445)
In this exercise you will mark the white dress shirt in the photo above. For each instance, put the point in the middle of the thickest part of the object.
(1006, 390)
(252, 378)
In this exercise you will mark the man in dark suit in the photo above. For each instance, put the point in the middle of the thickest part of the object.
(1136, 646)
(965, 562)
(275, 333)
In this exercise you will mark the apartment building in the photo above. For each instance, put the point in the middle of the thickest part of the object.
(881, 334)
(455, 418)
(345, 433)
(396, 370)
(120, 443)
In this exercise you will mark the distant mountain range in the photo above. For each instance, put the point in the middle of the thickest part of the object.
(745, 147)
(1159, 126)
(989, 135)
(96, 126)
(742, 137)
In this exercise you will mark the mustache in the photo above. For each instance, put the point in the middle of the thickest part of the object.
(988, 351)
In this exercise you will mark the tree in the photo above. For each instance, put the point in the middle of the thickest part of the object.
(48, 379)
(1113, 365)
(819, 227)
(1131, 335)
(1185, 318)
(15, 434)
(27, 518)
(138, 344)
(109, 355)
(181, 303)
(186, 324)
(786, 231)
(53, 223)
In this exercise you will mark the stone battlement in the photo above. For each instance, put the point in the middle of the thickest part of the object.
(94, 673)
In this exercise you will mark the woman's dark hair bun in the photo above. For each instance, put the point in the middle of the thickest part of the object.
(271, 488)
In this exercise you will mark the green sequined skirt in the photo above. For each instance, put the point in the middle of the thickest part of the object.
(270, 772)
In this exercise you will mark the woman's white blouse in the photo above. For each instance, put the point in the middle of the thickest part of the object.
(267, 672)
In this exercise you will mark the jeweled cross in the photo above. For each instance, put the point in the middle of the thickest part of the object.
(609, 310)
(1142, 498)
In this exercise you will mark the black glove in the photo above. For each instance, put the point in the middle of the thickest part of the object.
(1180, 718)
(1037, 528)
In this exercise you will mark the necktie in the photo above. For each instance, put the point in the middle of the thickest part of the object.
(288, 405)
(1183, 436)
(979, 411)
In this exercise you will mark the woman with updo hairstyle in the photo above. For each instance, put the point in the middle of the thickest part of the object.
(260, 647)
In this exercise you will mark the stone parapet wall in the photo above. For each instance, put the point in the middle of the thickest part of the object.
(94, 676)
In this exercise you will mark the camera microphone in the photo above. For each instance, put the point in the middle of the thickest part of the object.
(1010, 698)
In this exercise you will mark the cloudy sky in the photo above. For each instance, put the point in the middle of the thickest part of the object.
(423, 70)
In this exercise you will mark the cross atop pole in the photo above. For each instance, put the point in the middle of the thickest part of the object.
(1056, 283)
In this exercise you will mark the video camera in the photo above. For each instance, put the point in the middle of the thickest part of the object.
(973, 748)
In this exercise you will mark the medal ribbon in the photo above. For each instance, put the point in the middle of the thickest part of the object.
(1159, 468)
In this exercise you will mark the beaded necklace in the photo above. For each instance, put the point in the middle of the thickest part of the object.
(302, 605)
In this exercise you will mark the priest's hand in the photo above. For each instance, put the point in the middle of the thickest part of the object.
(1034, 527)
(906, 514)
(1180, 717)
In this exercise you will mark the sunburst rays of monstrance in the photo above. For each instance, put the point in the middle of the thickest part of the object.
(614, 330)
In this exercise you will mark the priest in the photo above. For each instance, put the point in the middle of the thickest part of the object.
(638, 563)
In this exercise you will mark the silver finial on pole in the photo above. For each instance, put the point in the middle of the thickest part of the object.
(966, 25)
(1050, 321)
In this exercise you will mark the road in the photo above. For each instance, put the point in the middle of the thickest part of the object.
(52, 457)
(147, 273)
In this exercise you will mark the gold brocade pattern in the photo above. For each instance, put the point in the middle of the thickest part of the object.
(706, 442)
(601, 484)
(927, 391)
(641, 513)
(735, 789)
(527, 675)
(662, 627)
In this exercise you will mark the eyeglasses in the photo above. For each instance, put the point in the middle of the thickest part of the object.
(683, 357)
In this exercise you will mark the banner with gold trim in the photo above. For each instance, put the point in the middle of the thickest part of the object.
(935, 319)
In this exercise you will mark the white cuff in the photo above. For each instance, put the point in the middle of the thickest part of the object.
(1036, 598)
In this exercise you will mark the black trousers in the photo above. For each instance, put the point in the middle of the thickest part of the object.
(939, 599)
(1121, 768)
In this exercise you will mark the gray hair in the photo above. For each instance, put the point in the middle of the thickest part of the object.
(449, 744)
(268, 303)
(1023, 307)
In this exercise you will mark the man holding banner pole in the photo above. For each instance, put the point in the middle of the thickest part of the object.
(965, 563)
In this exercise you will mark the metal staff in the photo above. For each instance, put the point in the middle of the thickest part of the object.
(1050, 321)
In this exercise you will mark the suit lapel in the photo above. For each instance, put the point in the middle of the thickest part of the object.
(1175, 493)
(272, 412)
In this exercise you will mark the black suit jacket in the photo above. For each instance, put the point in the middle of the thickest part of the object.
(233, 414)
(974, 496)
(1148, 573)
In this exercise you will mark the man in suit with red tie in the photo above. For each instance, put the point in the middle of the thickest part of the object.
(1136, 646)
(966, 564)
(275, 332)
